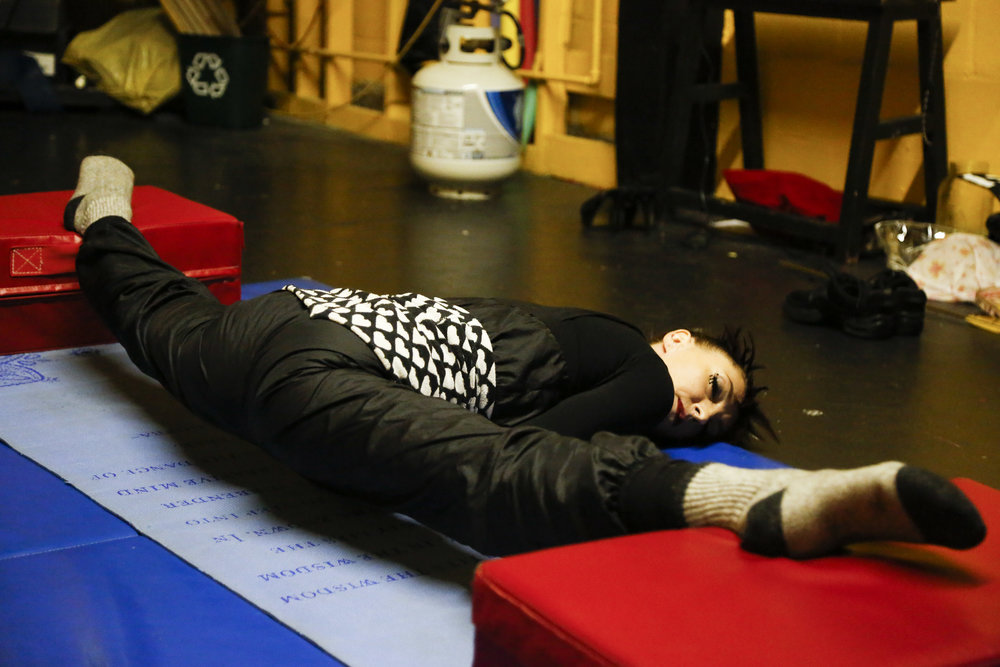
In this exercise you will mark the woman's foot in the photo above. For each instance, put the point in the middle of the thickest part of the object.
(797, 513)
(103, 189)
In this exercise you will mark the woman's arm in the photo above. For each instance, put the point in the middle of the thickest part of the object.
(615, 382)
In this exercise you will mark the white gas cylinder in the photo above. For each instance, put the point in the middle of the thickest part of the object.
(466, 117)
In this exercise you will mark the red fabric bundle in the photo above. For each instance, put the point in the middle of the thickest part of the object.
(785, 191)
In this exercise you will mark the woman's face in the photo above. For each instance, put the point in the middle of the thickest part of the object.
(708, 387)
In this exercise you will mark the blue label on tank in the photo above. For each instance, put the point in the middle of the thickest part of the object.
(508, 107)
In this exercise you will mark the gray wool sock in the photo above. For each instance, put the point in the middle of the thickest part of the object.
(804, 514)
(104, 189)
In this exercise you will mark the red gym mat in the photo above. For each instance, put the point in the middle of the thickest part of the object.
(693, 597)
(41, 305)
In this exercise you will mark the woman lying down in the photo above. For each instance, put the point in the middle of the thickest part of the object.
(507, 426)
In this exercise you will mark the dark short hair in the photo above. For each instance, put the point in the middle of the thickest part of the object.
(751, 424)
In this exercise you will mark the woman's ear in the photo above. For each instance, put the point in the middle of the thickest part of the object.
(676, 337)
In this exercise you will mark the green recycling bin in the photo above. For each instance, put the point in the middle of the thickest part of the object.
(224, 79)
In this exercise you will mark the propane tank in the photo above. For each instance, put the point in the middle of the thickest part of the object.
(466, 116)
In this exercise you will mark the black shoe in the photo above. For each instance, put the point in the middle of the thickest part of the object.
(846, 303)
(910, 300)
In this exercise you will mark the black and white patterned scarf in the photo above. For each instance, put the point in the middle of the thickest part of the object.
(436, 348)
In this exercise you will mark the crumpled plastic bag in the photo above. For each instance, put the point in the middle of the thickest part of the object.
(956, 267)
(133, 58)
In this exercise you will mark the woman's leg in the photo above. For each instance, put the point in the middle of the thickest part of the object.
(172, 327)
(144, 301)
(141, 298)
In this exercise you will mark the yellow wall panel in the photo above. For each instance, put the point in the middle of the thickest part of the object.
(985, 29)
(809, 71)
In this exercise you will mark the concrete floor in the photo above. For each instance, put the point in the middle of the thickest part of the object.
(349, 211)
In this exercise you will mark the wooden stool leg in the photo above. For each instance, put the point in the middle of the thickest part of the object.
(864, 134)
(679, 91)
(751, 132)
(935, 142)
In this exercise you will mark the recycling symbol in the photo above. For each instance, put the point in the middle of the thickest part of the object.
(213, 83)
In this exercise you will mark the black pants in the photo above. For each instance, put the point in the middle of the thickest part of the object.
(314, 396)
